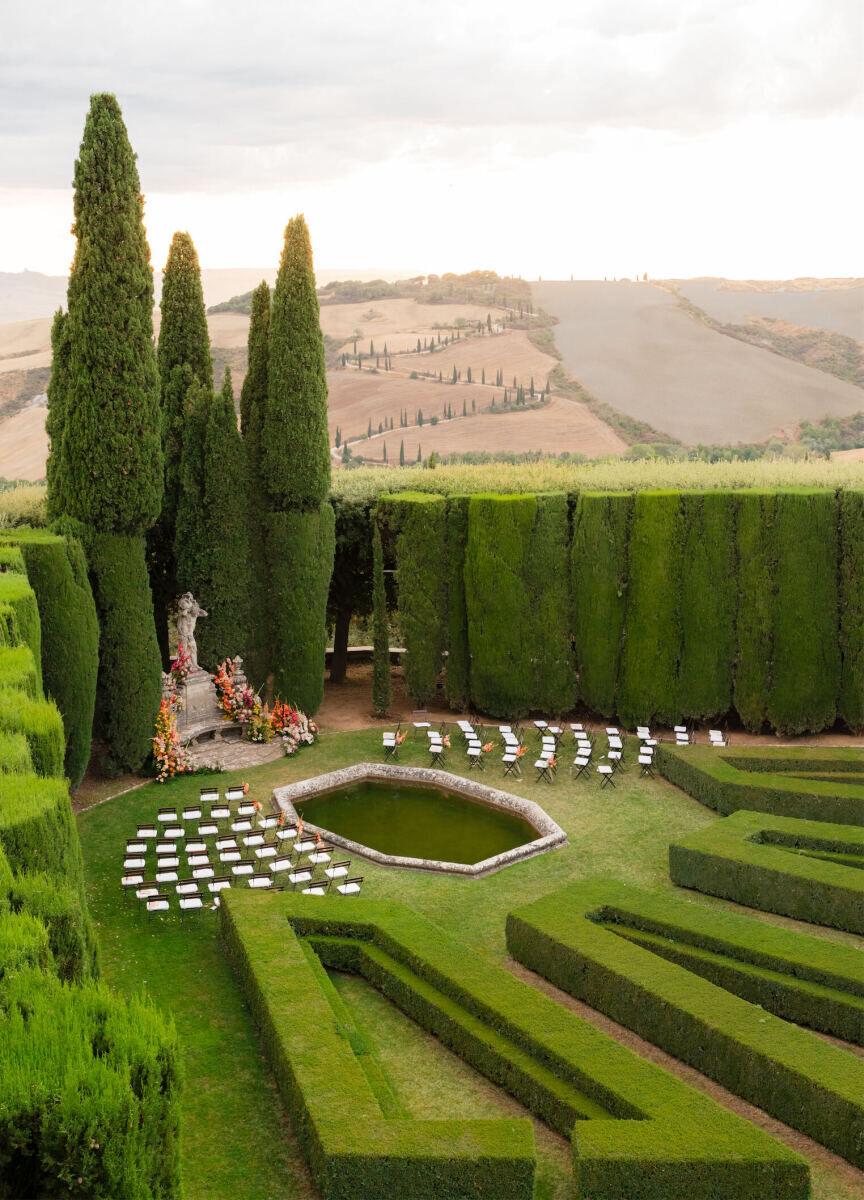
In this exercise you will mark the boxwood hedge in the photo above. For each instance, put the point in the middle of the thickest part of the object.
(40, 723)
(458, 677)
(18, 670)
(850, 704)
(19, 615)
(571, 938)
(727, 780)
(776, 864)
(636, 1131)
(354, 1152)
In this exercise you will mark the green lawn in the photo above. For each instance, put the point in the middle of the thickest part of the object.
(236, 1138)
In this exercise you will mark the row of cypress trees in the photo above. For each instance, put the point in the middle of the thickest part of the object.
(147, 464)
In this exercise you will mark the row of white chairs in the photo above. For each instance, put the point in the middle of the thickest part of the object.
(189, 898)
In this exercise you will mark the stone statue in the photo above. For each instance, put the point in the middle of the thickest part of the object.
(188, 612)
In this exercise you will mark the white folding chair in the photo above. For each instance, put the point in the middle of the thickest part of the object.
(605, 772)
(157, 903)
(192, 813)
(338, 870)
(581, 763)
(646, 762)
(350, 887)
(260, 881)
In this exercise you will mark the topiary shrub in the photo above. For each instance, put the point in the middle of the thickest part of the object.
(648, 690)
(11, 560)
(89, 1093)
(599, 573)
(708, 603)
(19, 616)
(15, 755)
(299, 547)
(805, 677)
(37, 829)
(62, 910)
(130, 668)
(57, 571)
(18, 670)
(40, 723)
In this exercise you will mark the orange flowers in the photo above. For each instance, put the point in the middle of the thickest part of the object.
(487, 748)
(520, 751)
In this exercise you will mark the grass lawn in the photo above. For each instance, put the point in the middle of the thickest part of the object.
(237, 1141)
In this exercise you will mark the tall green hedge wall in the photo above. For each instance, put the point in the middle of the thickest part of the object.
(57, 571)
(419, 523)
(517, 604)
(652, 631)
(660, 606)
(599, 572)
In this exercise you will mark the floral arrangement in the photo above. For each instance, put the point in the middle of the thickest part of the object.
(168, 753)
(181, 668)
(240, 703)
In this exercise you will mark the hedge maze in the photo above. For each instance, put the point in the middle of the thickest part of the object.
(804, 869)
(663, 606)
(90, 1083)
(718, 991)
(636, 1132)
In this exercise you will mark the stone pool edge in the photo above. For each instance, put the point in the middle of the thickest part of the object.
(552, 833)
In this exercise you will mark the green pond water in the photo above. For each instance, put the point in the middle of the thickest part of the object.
(417, 822)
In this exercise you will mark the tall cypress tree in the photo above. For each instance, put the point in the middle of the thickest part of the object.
(295, 475)
(183, 342)
(55, 420)
(224, 590)
(190, 534)
(253, 399)
(111, 476)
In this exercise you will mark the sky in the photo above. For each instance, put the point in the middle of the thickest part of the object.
(552, 138)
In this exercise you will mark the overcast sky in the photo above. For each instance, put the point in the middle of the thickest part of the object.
(553, 137)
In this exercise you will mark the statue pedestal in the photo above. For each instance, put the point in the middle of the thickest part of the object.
(199, 711)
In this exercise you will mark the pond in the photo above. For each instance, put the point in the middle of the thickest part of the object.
(416, 821)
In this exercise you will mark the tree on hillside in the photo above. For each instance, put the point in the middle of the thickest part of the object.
(109, 476)
(225, 553)
(299, 527)
(184, 342)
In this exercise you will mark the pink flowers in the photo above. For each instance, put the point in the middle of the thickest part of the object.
(168, 753)
(241, 704)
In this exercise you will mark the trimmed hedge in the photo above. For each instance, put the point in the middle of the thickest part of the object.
(19, 615)
(457, 681)
(571, 938)
(354, 1152)
(708, 603)
(517, 599)
(23, 944)
(381, 690)
(419, 523)
(751, 859)
(41, 724)
(37, 829)
(299, 547)
(89, 1093)
(806, 659)
(62, 910)
(755, 511)
(18, 670)
(57, 571)
(727, 781)
(850, 705)
(129, 689)
(656, 1138)
(599, 576)
(14, 754)
(648, 690)
(11, 560)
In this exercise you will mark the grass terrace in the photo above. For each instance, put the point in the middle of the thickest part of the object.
(236, 1136)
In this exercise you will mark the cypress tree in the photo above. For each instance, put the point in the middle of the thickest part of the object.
(296, 456)
(183, 341)
(111, 445)
(224, 591)
(402, 453)
(253, 400)
(299, 530)
(190, 523)
(55, 420)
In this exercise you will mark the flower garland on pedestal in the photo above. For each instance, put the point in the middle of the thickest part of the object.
(168, 754)
(241, 704)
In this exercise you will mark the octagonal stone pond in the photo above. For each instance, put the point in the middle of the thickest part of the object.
(420, 819)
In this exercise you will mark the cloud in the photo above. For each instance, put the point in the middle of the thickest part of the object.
(220, 98)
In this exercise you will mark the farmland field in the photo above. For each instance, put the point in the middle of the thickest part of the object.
(840, 310)
(636, 349)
